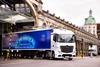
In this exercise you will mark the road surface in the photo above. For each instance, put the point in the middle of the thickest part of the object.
(76, 62)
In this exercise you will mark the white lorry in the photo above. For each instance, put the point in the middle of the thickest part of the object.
(45, 43)
(63, 44)
(93, 50)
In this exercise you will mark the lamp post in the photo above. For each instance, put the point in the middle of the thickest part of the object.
(2, 31)
(10, 40)
(82, 48)
(10, 34)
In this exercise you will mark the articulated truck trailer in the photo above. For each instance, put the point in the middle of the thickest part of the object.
(44, 43)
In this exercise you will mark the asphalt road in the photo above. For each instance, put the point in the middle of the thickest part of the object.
(76, 62)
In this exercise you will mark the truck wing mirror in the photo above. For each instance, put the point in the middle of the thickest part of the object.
(55, 37)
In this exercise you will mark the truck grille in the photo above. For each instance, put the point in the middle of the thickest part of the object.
(66, 49)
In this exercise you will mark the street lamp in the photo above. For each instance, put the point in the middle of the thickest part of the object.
(82, 48)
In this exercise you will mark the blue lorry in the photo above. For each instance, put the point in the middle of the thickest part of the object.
(45, 43)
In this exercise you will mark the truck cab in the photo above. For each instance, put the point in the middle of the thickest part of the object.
(63, 44)
(93, 50)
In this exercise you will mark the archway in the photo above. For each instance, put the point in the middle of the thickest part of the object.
(34, 13)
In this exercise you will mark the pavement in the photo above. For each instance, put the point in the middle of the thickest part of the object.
(76, 62)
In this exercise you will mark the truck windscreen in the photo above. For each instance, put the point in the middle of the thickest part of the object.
(64, 38)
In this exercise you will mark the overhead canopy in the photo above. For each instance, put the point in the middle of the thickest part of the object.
(11, 1)
(17, 19)
(14, 17)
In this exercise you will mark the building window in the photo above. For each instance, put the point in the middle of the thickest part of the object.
(93, 31)
(44, 25)
(89, 30)
(89, 27)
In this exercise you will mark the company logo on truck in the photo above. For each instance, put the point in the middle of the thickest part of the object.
(25, 42)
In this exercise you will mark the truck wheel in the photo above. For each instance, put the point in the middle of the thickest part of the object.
(51, 55)
(43, 56)
(70, 58)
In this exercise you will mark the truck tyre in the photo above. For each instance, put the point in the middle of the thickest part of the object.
(43, 56)
(53, 55)
(50, 55)
(70, 58)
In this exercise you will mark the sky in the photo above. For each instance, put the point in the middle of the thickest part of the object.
(74, 11)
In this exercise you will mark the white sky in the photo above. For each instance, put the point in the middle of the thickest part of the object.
(73, 10)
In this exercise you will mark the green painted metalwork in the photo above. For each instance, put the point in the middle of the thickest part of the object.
(90, 20)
